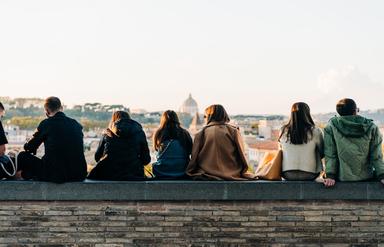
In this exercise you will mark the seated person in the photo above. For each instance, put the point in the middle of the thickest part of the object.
(123, 151)
(174, 147)
(3, 142)
(3, 138)
(218, 153)
(353, 149)
(302, 145)
(63, 160)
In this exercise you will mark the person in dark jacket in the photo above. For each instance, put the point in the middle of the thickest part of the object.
(3, 138)
(123, 151)
(174, 147)
(64, 159)
(3, 142)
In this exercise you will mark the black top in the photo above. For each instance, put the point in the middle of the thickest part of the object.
(64, 151)
(122, 154)
(3, 138)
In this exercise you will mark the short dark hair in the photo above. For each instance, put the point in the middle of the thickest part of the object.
(2, 106)
(53, 104)
(346, 107)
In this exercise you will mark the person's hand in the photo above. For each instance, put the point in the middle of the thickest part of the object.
(18, 175)
(382, 181)
(329, 182)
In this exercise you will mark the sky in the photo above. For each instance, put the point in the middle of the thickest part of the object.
(252, 56)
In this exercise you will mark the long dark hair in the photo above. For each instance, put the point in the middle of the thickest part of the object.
(299, 129)
(216, 113)
(170, 128)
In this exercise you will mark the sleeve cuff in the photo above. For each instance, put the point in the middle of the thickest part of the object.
(330, 175)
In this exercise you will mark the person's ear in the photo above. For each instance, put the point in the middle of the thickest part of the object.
(47, 113)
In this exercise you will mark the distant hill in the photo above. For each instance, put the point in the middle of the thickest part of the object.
(32, 107)
(376, 115)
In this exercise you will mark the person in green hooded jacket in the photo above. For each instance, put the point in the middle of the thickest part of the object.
(352, 147)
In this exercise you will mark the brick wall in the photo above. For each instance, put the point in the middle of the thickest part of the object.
(203, 223)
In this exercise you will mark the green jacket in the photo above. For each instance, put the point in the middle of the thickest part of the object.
(352, 147)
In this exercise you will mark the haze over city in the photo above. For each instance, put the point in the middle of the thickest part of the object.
(251, 56)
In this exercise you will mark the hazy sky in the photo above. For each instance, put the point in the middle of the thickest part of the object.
(251, 56)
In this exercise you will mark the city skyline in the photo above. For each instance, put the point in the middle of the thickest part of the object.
(254, 57)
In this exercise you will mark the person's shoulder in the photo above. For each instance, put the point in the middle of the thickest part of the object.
(185, 132)
(107, 134)
(374, 127)
(200, 133)
(331, 123)
(134, 124)
(45, 123)
(317, 130)
(74, 122)
(232, 127)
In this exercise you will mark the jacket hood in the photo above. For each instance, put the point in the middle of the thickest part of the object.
(352, 126)
(126, 128)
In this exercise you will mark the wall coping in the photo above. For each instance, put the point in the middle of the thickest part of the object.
(187, 191)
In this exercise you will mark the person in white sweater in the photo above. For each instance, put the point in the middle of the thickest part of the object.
(302, 145)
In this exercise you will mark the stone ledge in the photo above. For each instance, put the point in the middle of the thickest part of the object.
(187, 191)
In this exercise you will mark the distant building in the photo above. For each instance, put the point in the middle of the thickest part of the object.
(23, 103)
(98, 107)
(258, 149)
(196, 125)
(189, 106)
(269, 129)
(16, 136)
(138, 111)
(275, 134)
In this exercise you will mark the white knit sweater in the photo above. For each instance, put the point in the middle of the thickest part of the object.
(304, 157)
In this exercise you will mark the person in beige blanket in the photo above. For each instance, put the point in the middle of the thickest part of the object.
(218, 152)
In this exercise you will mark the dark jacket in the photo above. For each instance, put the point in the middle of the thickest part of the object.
(122, 154)
(353, 149)
(64, 159)
(3, 138)
(173, 157)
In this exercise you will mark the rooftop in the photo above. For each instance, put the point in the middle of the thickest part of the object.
(265, 145)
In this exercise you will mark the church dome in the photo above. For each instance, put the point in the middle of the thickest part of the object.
(189, 106)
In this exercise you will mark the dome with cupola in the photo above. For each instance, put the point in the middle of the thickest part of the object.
(189, 106)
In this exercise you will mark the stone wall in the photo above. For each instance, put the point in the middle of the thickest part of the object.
(199, 222)
(191, 223)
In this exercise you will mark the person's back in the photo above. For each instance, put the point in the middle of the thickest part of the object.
(172, 160)
(123, 152)
(353, 149)
(174, 147)
(302, 145)
(64, 151)
(353, 142)
(3, 142)
(63, 159)
(3, 138)
(218, 151)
